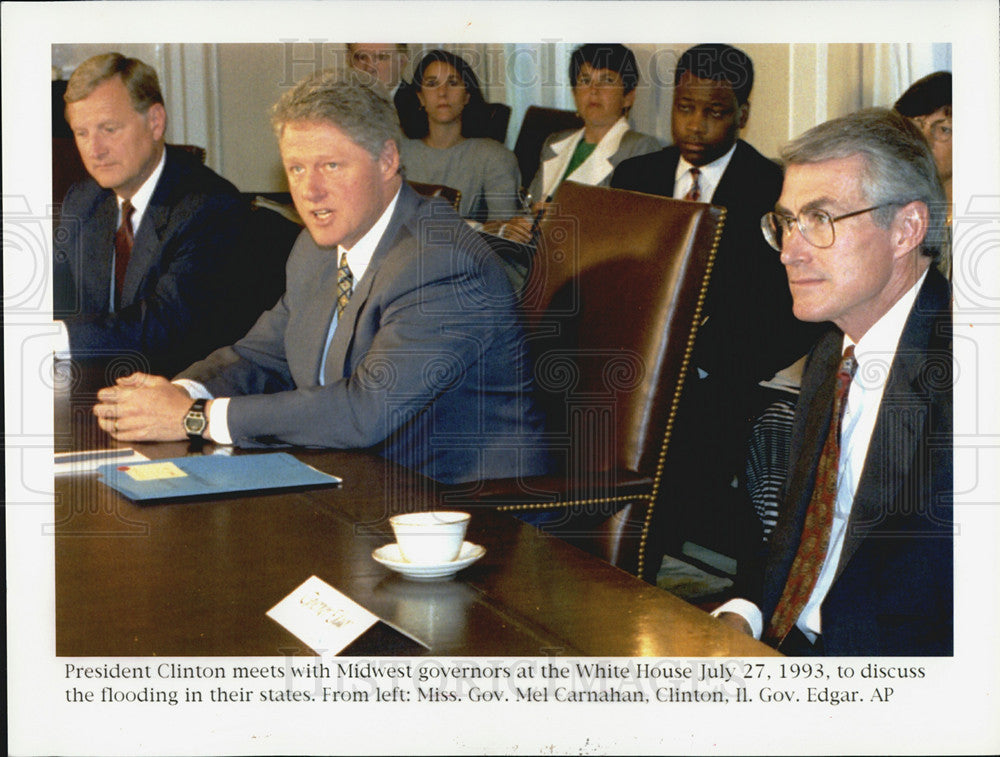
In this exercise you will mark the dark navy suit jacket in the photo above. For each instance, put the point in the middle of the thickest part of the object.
(185, 290)
(427, 365)
(892, 594)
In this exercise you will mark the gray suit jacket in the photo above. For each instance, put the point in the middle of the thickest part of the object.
(427, 365)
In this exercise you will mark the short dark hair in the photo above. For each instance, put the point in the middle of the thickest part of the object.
(139, 79)
(474, 115)
(719, 62)
(610, 56)
(925, 96)
(899, 165)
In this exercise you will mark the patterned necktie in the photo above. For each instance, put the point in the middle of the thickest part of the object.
(345, 284)
(694, 193)
(123, 249)
(819, 517)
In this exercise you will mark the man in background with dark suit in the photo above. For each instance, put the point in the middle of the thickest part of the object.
(146, 254)
(398, 331)
(749, 333)
(860, 561)
(387, 62)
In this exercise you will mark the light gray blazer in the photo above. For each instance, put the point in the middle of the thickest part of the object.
(620, 143)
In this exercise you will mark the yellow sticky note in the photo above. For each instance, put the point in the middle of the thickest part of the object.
(153, 471)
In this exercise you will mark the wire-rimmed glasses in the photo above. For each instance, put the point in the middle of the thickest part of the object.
(815, 225)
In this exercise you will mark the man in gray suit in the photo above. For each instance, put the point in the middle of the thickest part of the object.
(398, 331)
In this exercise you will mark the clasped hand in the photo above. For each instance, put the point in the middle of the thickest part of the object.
(143, 408)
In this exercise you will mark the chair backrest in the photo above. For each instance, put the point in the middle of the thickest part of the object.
(452, 195)
(537, 125)
(611, 307)
(497, 118)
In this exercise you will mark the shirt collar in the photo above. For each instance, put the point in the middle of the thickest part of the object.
(360, 255)
(884, 335)
(711, 173)
(140, 200)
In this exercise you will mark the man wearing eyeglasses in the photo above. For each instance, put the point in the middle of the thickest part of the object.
(748, 332)
(387, 63)
(860, 562)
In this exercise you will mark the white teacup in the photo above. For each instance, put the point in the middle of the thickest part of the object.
(430, 538)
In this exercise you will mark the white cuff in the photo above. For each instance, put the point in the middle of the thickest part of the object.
(218, 421)
(60, 342)
(748, 610)
(194, 389)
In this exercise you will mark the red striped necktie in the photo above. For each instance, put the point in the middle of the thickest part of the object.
(694, 193)
(123, 249)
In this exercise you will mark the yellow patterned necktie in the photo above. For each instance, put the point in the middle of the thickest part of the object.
(345, 284)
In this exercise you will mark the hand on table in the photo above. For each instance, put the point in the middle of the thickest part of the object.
(736, 621)
(143, 408)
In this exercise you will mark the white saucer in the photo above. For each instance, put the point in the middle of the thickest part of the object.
(392, 558)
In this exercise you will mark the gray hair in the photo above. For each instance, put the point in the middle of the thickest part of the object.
(899, 166)
(350, 102)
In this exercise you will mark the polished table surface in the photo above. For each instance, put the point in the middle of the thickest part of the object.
(197, 577)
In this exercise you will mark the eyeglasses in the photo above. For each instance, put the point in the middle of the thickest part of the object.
(816, 226)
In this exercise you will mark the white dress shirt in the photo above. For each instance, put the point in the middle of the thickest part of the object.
(358, 259)
(708, 180)
(140, 201)
(874, 352)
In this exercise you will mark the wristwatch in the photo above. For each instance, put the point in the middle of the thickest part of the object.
(195, 421)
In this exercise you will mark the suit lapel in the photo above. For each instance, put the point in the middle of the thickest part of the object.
(555, 166)
(729, 189)
(148, 242)
(818, 388)
(320, 304)
(902, 420)
(97, 242)
(597, 167)
(336, 360)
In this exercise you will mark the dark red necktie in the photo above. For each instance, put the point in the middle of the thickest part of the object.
(123, 249)
(694, 193)
(819, 517)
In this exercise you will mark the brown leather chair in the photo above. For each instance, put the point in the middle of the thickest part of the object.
(452, 195)
(611, 308)
(537, 125)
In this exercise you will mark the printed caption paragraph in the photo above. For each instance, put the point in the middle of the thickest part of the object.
(651, 683)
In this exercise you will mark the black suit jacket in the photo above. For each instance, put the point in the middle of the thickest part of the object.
(427, 364)
(893, 589)
(185, 289)
(751, 332)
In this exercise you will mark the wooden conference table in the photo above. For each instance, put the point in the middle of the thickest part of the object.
(197, 577)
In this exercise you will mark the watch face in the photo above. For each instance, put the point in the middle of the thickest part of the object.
(194, 423)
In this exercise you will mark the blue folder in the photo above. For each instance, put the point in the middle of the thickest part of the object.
(215, 474)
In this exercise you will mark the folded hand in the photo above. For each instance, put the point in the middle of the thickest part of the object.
(143, 408)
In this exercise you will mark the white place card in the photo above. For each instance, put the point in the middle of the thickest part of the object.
(322, 617)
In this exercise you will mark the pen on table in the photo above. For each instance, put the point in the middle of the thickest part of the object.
(65, 458)
(538, 217)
